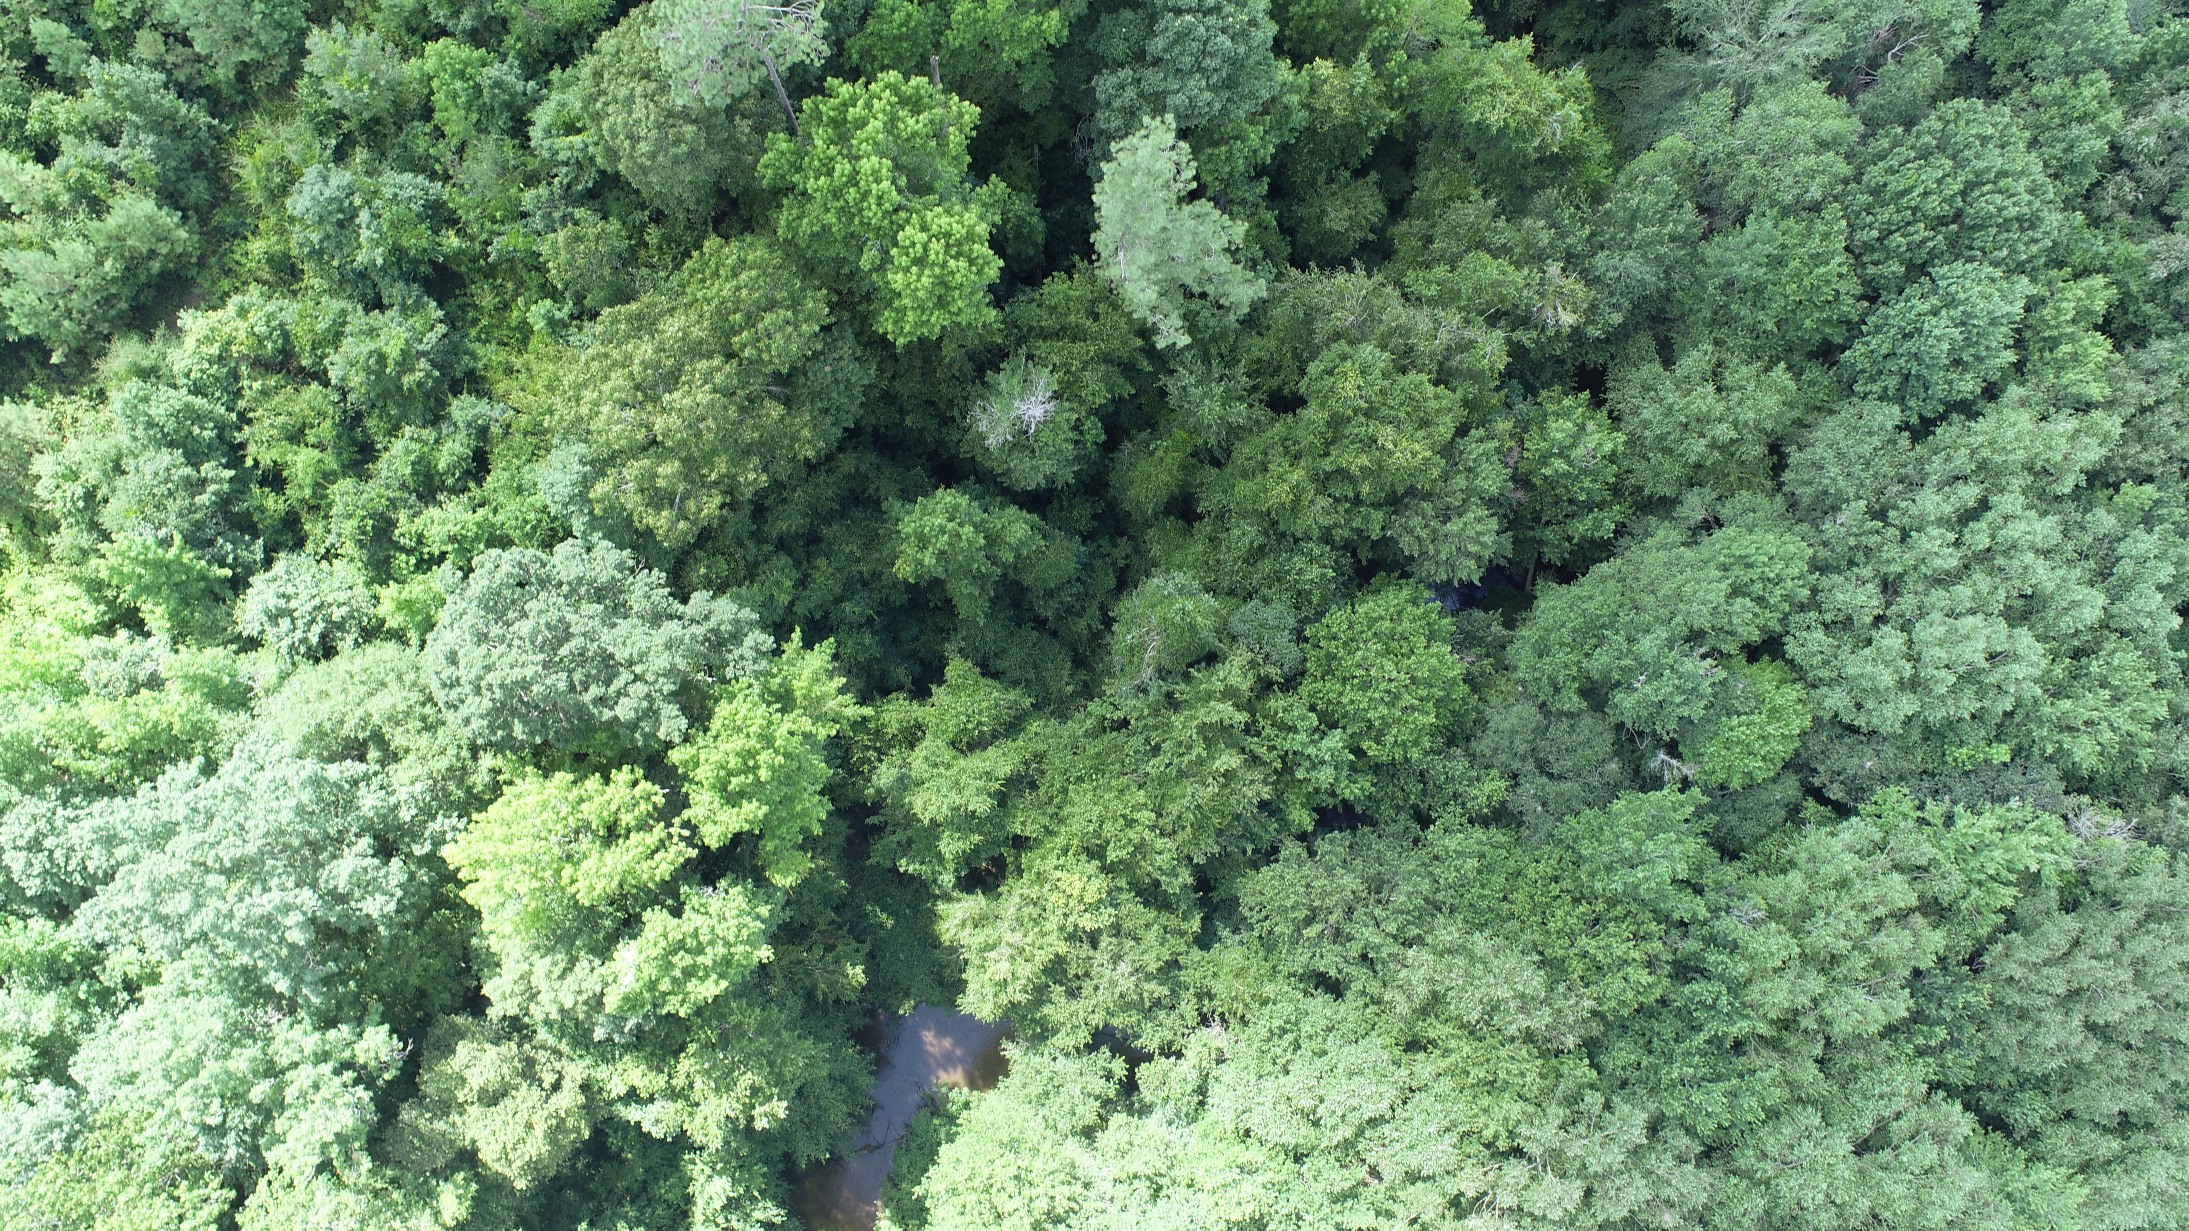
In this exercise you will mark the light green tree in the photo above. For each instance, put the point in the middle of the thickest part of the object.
(1968, 603)
(1938, 344)
(1024, 429)
(878, 194)
(1565, 479)
(302, 609)
(719, 49)
(760, 766)
(1962, 186)
(622, 110)
(110, 213)
(630, 946)
(1381, 670)
(1708, 421)
(695, 398)
(581, 650)
(1159, 248)
(368, 236)
(970, 545)
(993, 53)
(1380, 464)
(1657, 636)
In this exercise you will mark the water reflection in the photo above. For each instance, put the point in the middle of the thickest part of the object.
(926, 1048)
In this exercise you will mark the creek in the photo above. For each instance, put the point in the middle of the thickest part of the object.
(915, 1053)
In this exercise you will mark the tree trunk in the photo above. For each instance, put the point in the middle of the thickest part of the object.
(782, 95)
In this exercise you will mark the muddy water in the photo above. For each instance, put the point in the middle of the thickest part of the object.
(926, 1048)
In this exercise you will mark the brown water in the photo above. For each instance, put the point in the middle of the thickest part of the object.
(926, 1048)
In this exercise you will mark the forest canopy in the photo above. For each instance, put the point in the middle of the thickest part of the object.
(1559, 614)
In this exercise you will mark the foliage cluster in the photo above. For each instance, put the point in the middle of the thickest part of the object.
(1556, 615)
